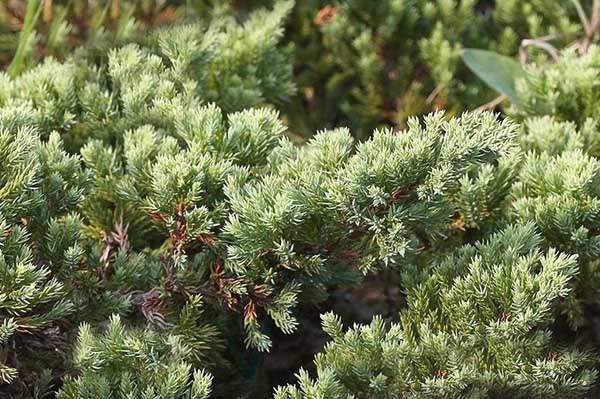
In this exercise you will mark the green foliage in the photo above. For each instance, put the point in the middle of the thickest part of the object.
(365, 64)
(234, 65)
(124, 363)
(57, 27)
(443, 348)
(145, 138)
(324, 208)
(547, 134)
(567, 90)
(537, 18)
(39, 186)
(165, 233)
(559, 194)
(375, 55)
(519, 297)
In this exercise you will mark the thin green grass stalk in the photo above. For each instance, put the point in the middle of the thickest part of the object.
(34, 8)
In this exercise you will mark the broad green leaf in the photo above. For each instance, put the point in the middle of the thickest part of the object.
(498, 71)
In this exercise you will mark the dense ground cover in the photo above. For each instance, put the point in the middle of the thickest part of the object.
(314, 200)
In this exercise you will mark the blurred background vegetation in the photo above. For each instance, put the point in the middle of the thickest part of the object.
(357, 63)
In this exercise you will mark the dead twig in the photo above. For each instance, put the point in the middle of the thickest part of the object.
(582, 16)
(540, 42)
(492, 104)
(592, 29)
(434, 93)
